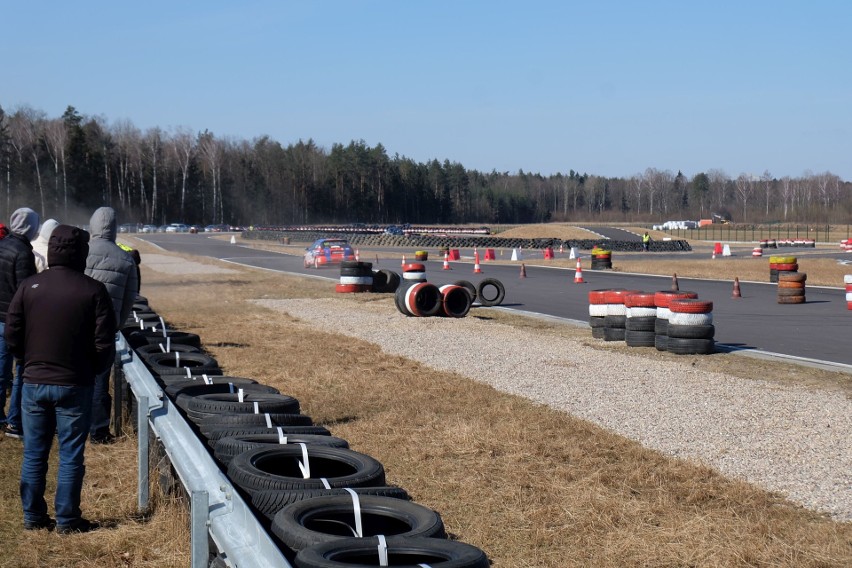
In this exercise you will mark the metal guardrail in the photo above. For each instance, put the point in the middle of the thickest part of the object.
(216, 508)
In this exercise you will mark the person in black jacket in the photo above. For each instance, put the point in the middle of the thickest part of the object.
(61, 323)
(16, 263)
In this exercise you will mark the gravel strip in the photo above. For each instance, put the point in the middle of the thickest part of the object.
(785, 439)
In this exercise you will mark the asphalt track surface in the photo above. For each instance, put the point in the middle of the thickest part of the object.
(817, 330)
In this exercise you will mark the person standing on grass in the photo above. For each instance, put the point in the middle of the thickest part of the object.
(40, 244)
(62, 325)
(16, 264)
(646, 241)
(109, 264)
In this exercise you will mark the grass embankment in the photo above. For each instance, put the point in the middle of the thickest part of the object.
(529, 485)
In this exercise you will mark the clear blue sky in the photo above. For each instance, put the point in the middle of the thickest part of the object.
(603, 87)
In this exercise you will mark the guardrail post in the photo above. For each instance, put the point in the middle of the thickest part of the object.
(117, 394)
(143, 455)
(200, 513)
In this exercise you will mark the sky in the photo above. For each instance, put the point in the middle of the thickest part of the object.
(601, 87)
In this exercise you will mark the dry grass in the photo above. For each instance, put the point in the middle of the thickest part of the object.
(530, 485)
(562, 231)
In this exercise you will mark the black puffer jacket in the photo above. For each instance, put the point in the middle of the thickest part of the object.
(16, 264)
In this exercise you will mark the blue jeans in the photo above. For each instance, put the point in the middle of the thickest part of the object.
(65, 411)
(14, 416)
(102, 402)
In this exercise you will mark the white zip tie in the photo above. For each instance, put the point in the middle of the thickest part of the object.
(135, 317)
(383, 550)
(424, 566)
(268, 420)
(177, 358)
(325, 483)
(163, 323)
(305, 464)
(188, 372)
(231, 388)
(356, 509)
(168, 344)
(141, 324)
(240, 395)
(256, 407)
(282, 439)
(163, 348)
(206, 379)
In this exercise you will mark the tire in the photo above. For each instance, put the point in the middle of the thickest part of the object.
(352, 288)
(186, 394)
(615, 321)
(640, 300)
(690, 306)
(792, 277)
(692, 331)
(790, 292)
(147, 350)
(380, 282)
(423, 300)
(146, 336)
(278, 468)
(194, 387)
(324, 519)
(469, 287)
(490, 300)
(640, 312)
(399, 300)
(679, 318)
(270, 501)
(253, 401)
(246, 420)
(354, 552)
(394, 279)
(663, 298)
(216, 433)
(661, 342)
(641, 324)
(167, 363)
(639, 338)
(455, 301)
(799, 285)
(348, 268)
(680, 346)
(661, 326)
(357, 280)
(226, 448)
(595, 322)
(613, 333)
(791, 299)
(599, 332)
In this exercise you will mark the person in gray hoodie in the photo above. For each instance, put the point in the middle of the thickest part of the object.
(109, 264)
(16, 264)
(40, 243)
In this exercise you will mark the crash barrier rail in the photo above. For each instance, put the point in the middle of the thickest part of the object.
(734, 232)
(217, 511)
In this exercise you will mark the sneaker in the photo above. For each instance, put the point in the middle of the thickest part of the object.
(12, 432)
(79, 526)
(103, 439)
(45, 523)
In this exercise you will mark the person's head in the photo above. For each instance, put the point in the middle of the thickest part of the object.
(46, 229)
(103, 223)
(24, 222)
(68, 246)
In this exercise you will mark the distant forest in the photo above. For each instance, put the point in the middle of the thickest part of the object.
(67, 166)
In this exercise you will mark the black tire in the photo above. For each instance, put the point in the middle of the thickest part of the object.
(425, 298)
(598, 332)
(493, 299)
(270, 501)
(145, 351)
(246, 420)
(166, 363)
(226, 448)
(456, 302)
(661, 342)
(194, 387)
(639, 338)
(394, 279)
(791, 292)
(325, 519)
(357, 271)
(354, 552)
(641, 324)
(692, 331)
(616, 322)
(614, 333)
(399, 299)
(380, 282)
(278, 468)
(216, 433)
(187, 394)
(218, 403)
(469, 287)
(680, 346)
(661, 326)
(596, 321)
(146, 336)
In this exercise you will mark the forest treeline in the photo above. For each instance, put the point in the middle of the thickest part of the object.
(65, 167)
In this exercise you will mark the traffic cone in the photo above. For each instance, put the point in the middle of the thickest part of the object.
(578, 275)
(560, 248)
(736, 293)
(403, 260)
(357, 255)
(447, 261)
(675, 286)
(476, 267)
(233, 240)
(523, 271)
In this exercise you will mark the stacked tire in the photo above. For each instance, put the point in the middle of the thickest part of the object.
(640, 320)
(414, 272)
(615, 320)
(662, 300)
(597, 312)
(778, 264)
(847, 282)
(355, 276)
(791, 287)
(690, 327)
(601, 259)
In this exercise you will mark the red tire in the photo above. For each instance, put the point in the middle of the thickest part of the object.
(414, 267)
(787, 284)
(787, 267)
(599, 296)
(617, 296)
(641, 300)
(664, 297)
(690, 306)
(349, 288)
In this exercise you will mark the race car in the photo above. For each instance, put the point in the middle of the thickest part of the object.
(325, 252)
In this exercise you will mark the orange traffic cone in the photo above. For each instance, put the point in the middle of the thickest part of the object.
(476, 268)
(675, 286)
(578, 275)
(523, 271)
(736, 293)
(447, 261)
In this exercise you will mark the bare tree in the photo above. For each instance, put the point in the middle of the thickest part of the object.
(718, 187)
(637, 184)
(25, 128)
(182, 146)
(768, 185)
(786, 193)
(56, 140)
(211, 150)
(745, 188)
(153, 144)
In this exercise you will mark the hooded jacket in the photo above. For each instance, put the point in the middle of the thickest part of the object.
(16, 255)
(60, 321)
(40, 243)
(109, 264)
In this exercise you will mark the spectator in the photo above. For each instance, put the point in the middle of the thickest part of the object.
(16, 264)
(137, 258)
(646, 241)
(62, 325)
(40, 244)
(109, 264)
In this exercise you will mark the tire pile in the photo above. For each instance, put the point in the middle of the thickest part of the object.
(674, 321)
(791, 287)
(418, 298)
(601, 259)
(323, 503)
(778, 264)
(358, 276)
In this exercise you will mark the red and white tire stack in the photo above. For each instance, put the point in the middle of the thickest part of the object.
(847, 281)
(640, 319)
(355, 277)
(846, 245)
(414, 272)
(690, 327)
(615, 320)
(597, 312)
(662, 300)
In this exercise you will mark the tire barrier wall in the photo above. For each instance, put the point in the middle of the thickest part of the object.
(423, 242)
(310, 483)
